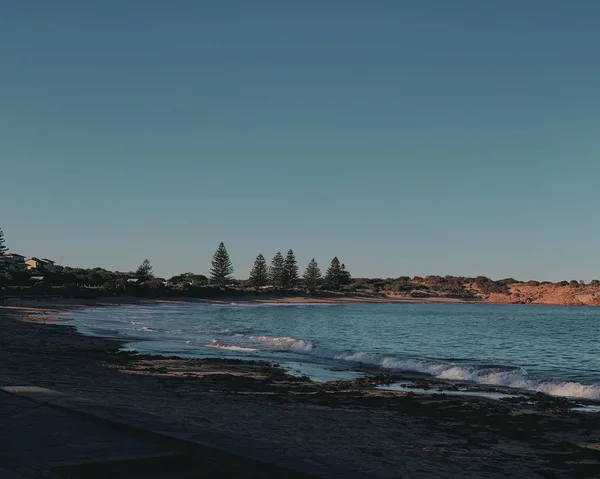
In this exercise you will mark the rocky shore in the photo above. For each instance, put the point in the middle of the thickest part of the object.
(432, 433)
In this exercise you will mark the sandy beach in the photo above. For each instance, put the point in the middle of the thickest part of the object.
(394, 434)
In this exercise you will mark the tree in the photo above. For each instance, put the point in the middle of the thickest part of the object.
(346, 277)
(312, 275)
(259, 275)
(337, 275)
(144, 270)
(3, 248)
(188, 279)
(222, 269)
(290, 270)
(277, 270)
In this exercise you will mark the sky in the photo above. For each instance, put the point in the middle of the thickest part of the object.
(406, 137)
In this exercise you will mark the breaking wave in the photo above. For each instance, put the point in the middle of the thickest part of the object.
(266, 343)
(508, 377)
(284, 343)
(517, 378)
(141, 324)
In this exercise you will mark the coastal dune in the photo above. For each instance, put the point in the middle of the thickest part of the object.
(549, 294)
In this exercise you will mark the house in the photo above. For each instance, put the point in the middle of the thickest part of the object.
(13, 261)
(41, 264)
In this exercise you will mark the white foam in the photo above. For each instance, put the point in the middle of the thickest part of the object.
(494, 376)
(267, 343)
(518, 378)
(217, 345)
(147, 329)
(284, 343)
(513, 378)
(570, 389)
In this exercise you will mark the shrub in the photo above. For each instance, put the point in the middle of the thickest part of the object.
(488, 286)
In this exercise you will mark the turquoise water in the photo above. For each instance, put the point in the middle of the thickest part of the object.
(555, 350)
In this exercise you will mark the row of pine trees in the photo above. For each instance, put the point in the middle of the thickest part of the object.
(281, 273)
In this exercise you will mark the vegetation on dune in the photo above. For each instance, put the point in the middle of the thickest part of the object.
(189, 279)
(79, 282)
(487, 286)
(281, 275)
(144, 270)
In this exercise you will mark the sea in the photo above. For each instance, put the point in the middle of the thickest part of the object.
(553, 350)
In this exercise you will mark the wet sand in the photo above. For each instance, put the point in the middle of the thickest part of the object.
(397, 433)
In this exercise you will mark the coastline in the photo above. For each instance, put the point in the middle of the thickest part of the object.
(53, 312)
(521, 294)
(64, 304)
(386, 431)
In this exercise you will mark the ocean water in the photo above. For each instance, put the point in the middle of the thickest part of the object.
(554, 350)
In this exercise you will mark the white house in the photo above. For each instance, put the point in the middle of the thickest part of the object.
(13, 261)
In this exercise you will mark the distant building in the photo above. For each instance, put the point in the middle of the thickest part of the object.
(41, 264)
(13, 261)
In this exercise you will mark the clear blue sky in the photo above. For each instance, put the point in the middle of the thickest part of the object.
(406, 137)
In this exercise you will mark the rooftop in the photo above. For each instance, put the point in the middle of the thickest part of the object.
(42, 260)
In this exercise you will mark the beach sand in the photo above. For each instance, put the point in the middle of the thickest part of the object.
(388, 433)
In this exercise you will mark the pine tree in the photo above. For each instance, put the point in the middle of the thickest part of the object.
(290, 270)
(259, 276)
(334, 275)
(277, 270)
(346, 277)
(145, 270)
(222, 268)
(312, 275)
(3, 248)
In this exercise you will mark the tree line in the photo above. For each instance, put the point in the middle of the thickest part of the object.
(283, 272)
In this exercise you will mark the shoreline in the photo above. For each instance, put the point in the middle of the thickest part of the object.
(45, 312)
(396, 433)
(77, 303)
